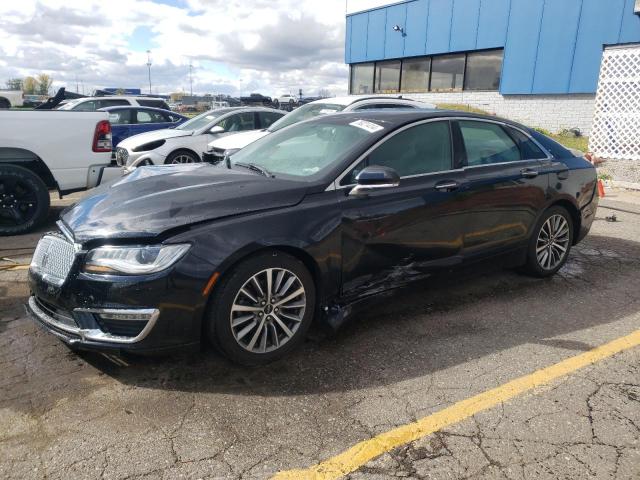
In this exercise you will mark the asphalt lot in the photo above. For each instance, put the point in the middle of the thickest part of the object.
(444, 340)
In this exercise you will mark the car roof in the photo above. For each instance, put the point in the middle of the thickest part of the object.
(120, 97)
(246, 109)
(396, 118)
(351, 99)
(136, 107)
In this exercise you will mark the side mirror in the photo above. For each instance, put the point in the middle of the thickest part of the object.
(216, 129)
(374, 178)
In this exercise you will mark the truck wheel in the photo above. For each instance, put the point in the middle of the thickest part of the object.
(4, 103)
(24, 200)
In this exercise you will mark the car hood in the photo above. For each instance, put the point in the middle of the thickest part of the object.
(147, 137)
(152, 200)
(237, 140)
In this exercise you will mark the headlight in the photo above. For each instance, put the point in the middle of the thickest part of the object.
(133, 260)
(149, 146)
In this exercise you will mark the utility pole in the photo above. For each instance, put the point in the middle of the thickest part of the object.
(77, 91)
(149, 68)
(190, 78)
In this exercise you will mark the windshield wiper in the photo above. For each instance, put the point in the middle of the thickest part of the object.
(255, 168)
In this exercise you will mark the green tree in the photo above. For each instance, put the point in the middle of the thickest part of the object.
(44, 83)
(29, 85)
(14, 84)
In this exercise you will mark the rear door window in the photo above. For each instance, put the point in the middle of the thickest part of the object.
(153, 103)
(487, 143)
(528, 148)
(149, 116)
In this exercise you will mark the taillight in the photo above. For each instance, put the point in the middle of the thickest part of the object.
(102, 137)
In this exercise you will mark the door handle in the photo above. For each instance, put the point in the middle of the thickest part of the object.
(447, 186)
(529, 173)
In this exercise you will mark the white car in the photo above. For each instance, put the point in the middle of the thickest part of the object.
(287, 99)
(91, 104)
(184, 143)
(217, 149)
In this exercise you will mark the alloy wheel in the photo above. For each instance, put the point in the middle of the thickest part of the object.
(268, 310)
(18, 202)
(553, 242)
(182, 159)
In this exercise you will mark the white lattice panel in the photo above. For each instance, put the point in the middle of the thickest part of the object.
(616, 127)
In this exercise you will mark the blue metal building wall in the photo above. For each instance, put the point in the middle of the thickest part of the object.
(551, 46)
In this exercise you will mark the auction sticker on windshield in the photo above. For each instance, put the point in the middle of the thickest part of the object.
(368, 126)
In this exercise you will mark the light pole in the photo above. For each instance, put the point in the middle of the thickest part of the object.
(190, 78)
(149, 68)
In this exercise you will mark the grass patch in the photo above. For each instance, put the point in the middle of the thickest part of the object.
(462, 108)
(579, 143)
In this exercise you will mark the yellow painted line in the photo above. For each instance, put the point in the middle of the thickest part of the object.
(361, 453)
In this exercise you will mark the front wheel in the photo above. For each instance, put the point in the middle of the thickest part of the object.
(24, 200)
(550, 243)
(262, 309)
(181, 156)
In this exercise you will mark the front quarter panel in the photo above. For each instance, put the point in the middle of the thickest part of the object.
(309, 229)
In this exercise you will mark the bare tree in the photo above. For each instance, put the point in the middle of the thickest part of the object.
(29, 85)
(14, 84)
(44, 83)
(324, 93)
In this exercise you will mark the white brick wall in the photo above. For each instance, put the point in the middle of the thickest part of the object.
(552, 112)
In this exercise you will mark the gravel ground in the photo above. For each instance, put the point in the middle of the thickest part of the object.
(67, 416)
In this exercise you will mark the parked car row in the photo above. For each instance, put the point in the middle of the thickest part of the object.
(349, 199)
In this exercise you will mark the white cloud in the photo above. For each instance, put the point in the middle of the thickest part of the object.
(236, 46)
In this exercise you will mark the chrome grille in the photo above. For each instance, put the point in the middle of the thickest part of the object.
(122, 155)
(53, 259)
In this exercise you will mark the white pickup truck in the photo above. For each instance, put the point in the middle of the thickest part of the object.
(11, 98)
(43, 150)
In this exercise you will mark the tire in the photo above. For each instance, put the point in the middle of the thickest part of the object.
(24, 200)
(262, 334)
(178, 155)
(4, 103)
(545, 254)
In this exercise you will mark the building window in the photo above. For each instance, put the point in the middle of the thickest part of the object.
(442, 73)
(447, 73)
(415, 75)
(388, 77)
(362, 78)
(483, 70)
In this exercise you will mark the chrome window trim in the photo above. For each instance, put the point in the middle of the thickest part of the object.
(96, 335)
(335, 185)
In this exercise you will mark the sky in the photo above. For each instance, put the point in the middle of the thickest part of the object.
(236, 47)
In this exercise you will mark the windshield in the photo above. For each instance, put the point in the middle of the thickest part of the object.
(306, 112)
(304, 149)
(202, 120)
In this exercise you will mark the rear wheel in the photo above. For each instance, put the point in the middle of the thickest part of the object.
(181, 156)
(262, 309)
(550, 243)
(24, 200)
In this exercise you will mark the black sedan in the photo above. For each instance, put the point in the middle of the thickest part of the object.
(302, 225)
